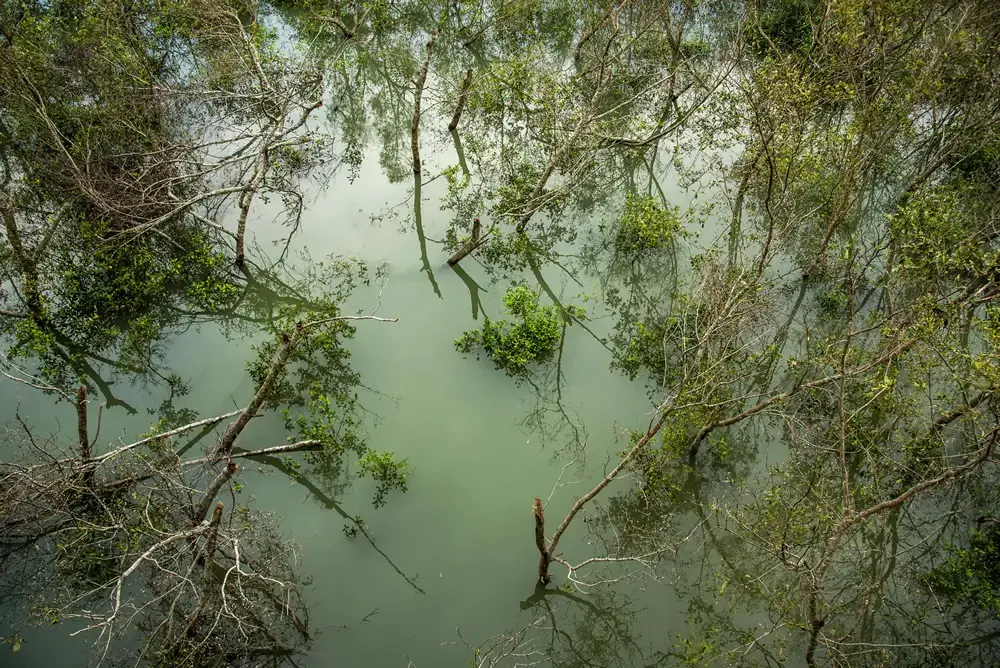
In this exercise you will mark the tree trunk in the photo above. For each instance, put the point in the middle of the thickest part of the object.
(418, 92)
(211, 541)
(462, 97)
(469, 245)
(736, 226)
(532, 205)
(460, 152)
(208, 565)
(241, 226)
(246, 199)
(288, 343)
(25, 261)
(81, 423)
(547, 553)
(425, 263)
(82, 435)
(201, 512)
(544, 556)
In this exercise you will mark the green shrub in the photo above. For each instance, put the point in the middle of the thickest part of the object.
(646, 225)
(532, 337)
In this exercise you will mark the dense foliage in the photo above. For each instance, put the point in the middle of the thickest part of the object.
(531, 338)
(783, 212)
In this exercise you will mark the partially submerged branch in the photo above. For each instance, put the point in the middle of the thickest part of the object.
(278, 363)
(470, 245)
(201, 512)
(83, 437)
(547, 554)
(288, 341)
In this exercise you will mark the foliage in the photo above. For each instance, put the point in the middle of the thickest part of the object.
(646, 225)
(109, 532)
(532, 338)
(785, 25)
(643, 352)
(321, 361)
(971, 575)
(938, 236)
(387, 473)
(821, 360)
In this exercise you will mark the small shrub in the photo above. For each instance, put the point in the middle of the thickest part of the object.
(532, 337)
(646, 225)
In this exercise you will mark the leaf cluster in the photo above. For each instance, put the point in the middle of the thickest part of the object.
(531, 338)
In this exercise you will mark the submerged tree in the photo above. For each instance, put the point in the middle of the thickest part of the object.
(839, 319)
(134, 537)
(125, 135)
(843, 319)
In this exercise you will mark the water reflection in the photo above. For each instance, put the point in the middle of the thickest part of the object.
(571, 630)
(474, 290)
(354, 524)
(421, 238)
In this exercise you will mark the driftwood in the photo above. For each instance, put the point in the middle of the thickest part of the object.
(468, 246)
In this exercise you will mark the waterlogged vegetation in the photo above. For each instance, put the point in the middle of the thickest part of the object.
(735, 266)
(532, 338)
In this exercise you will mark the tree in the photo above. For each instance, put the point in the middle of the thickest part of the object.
(846, 317)
(124, 134)
(135, 541)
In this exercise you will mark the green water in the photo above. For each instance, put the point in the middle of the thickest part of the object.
(454, 557)
(799, 267)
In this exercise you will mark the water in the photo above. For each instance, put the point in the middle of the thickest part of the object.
(456, 551)
(451, 562)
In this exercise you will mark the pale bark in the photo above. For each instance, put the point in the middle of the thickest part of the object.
(167, 434)
(300, 446)
(417, 94)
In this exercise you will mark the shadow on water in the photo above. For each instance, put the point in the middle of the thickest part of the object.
(550, 419)
(418, 220)
(596, 629)
(357, 524)
(474, 289)
(460, 151)
(567, 315)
